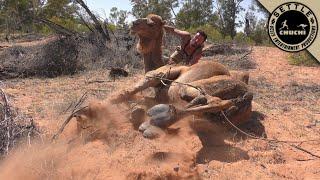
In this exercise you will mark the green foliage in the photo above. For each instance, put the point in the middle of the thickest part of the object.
(15, 14)
(59, 8)
(194, 13)
(20, 15)
(141, 8)
(118, 17)
(241, 38)
(112, 27)
(212, 32)
(260, 34)
(217, 18)
(227, 11)
(303, 58)
(250, 21)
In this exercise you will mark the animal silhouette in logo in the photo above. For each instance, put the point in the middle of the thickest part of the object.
(302, 26)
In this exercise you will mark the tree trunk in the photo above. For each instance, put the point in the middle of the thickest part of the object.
(99, 28)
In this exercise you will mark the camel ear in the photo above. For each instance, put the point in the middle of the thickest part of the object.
(150, 22)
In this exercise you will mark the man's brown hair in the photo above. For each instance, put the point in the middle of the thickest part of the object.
(202, 33)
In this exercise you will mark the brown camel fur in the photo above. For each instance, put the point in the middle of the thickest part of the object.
(204, 88)
(150, 33)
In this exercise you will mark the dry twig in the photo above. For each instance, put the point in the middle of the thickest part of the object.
(10, 130)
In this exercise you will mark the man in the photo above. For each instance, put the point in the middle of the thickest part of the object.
(190, 50)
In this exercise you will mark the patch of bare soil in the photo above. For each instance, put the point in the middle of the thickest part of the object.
(286, 107)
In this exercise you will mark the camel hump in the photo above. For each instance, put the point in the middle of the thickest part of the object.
(210, 67)
(203, 70)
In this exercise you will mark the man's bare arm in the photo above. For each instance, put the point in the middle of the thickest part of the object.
(183, 34)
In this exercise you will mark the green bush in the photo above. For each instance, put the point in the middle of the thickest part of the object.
(112, 27)
(241, 38)
(303, 58)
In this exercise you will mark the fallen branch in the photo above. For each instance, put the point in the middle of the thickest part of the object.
(245, 55)
(10, 131)
(97, 81)
(98, 26)
(1, 47)
(56, 27)
(77, 104)
(72, 115)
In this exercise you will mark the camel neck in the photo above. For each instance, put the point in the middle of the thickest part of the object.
(153, 60)
(152, 52)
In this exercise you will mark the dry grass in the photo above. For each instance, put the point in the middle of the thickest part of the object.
(303, 58)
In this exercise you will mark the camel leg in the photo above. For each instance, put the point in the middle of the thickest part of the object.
(199, 103)
(164, 115)
(238, 110)
(151, 79)
(206, 103)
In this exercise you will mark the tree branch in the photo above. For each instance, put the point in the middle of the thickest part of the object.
(99, 28)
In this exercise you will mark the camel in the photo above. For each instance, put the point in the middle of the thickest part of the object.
(206, 88)
(150, 33)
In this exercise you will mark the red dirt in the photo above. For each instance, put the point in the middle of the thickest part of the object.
(192, 149)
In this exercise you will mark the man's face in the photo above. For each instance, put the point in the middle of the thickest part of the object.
(197, 40)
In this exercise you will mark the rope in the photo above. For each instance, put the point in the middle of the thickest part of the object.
(272, 140)
(262, 138)
(226, 118)
(176, 82)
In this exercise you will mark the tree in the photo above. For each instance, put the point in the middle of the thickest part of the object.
(58, 8)
(194, 13)
(163, 8)
(250, 21)
(260, 8)
(16, 14)
(260, 33)
(227, 11)
(118, 17)
(97, 24)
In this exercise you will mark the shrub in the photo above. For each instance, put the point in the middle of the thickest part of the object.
(241, 38)
(303, 58)
(212, 32)
(60, 58)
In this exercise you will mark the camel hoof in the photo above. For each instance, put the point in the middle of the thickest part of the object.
(152, 132)
(162, 115)
(200, 100)
(144, 126)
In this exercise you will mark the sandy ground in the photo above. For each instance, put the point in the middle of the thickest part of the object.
(286, 107)
(25, 43)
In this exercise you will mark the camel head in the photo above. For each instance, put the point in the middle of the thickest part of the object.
(150, 27)
(150, 32)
